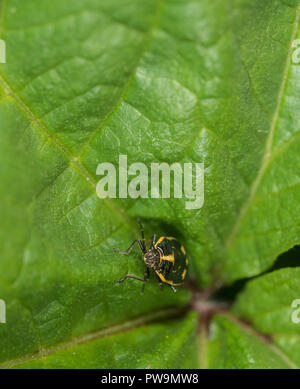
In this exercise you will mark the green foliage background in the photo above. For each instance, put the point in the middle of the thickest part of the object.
(157, 80)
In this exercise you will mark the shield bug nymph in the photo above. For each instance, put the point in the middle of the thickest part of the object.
(166, 256)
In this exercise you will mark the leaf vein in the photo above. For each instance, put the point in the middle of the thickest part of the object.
(268, 146)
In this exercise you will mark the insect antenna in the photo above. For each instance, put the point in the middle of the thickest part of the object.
(142, 234)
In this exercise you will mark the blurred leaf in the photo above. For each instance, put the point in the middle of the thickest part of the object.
(170, 344)
(267, 303)
(235, 346)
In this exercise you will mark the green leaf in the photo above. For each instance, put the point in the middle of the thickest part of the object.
(267, 303)
(159, 81)
(169, 344)
(234, 346)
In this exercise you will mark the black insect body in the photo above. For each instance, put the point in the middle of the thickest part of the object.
(167, 258)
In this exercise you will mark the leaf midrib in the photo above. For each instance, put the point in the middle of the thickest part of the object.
(251, 331)
(96, 335)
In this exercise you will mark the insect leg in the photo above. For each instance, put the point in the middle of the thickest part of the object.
(159, 281)
(146, 278)
(131, 276)
(173, 288)
(126, 252)
(142, 233)
(154, 239)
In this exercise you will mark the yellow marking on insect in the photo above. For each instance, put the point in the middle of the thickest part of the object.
(162, 238)
(186, 261)
(164, 280)
(159, 241)
(183, 274)
(169, 258)
(183, 250)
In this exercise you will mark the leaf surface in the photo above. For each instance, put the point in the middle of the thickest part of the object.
(158, 81)
(234, 346)
(268, 303)
(169, 343)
